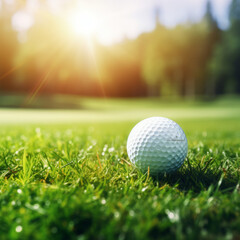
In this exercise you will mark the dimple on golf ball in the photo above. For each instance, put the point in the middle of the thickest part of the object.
(158, 144)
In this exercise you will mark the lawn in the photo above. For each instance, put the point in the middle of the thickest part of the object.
(65, 174)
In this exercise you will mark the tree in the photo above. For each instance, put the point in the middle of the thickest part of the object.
(234, 16)
(176, 60)
(8, 49)
(212, 38)
(224, 66)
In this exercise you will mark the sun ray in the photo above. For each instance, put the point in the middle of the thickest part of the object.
(30, 98)
(92, 53)
(9, 72)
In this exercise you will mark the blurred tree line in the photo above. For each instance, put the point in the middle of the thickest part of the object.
(189, 60)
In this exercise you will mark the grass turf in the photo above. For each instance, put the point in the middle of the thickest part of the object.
(73, 180)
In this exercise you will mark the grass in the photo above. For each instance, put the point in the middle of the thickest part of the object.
(71, 179)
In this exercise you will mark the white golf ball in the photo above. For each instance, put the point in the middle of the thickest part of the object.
(157, 143)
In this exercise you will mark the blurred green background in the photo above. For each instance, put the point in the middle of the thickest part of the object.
(52, 49)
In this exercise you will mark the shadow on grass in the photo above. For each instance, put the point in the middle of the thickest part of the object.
(198, 178)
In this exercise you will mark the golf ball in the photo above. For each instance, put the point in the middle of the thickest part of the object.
(157, 143)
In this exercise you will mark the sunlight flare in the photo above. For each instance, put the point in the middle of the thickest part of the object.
(83, 23)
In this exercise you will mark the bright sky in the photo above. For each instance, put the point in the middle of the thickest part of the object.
(112, 20)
